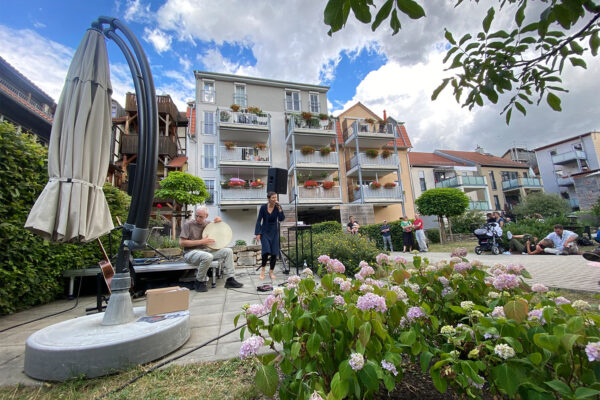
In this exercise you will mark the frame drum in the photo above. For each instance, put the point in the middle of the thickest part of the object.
(220, 232)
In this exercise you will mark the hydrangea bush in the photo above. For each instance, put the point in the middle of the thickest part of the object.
(467, 325)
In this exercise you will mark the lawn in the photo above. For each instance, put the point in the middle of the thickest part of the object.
(231, 379)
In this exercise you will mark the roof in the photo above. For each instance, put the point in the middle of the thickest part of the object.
(564, 141)
(481, 159)
(416, 158)
(177, 162)
(518, 149)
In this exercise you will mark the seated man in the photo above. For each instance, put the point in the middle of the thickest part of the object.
(563, 241)
(197, 253)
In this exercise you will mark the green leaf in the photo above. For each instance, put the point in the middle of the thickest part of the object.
(336, 14)
(313, 344)
(535, 358)
(529, 28)
(346, 371)
(520, 15)
(487, 21)
(520, 108)
(569, 340)
(576, 48)
(408, 338)
(351, 324)
(382, 14)
(395, 22)
(267, 379)
(339, 387)
(449, 37)
(514, 343)
(424, 359)
(508, 115)
(563, 15)
(361, 10)
(440, 383)
(504, 379)
(594, 43)
(368, 376)
(295, 351)
(546, 341)
(379, 329)
(364, 333)
(584, 392)
(516, 309)
(553, 101)
(560, 387)
(437, 91)
(411, 8)
(574, 324)
(464, 39)
(389, 383)
(578, 62)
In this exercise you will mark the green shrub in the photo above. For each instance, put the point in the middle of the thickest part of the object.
(467, 222)
(31, 268)
(240, 242)
(162, 242)
(349, 249)
(327, 227)
(538, 229)
(373, 232)
(546, 204)
(433, 235)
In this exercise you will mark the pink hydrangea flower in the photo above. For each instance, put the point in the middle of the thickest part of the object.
(359, 277)
(400, 260)
(256, 309)
(462, 267)
(339, 300)
(251, 346)
(506, 281)
(323, 259)
(562, 300)
(414, 313)
(515, 268)
(400, 293)
(593, 351)
(455, 260)
(294, 279)
(337, 266)
(337, 280)
(375, 282)
(498, 312)
(371, 301)
(536, 315)
(366, 288)
(382, 258)
(366, 271)
(539, 288)
(315, 396)
(345, 286)
(459, 252)
(272, 299)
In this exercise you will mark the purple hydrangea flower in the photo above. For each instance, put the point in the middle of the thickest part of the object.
(339, 300)
(459, 252)
(400, 260)
(462, 267)
(562, 300)
(593, 351)
(381, 259)
(345, 286)
(256, 309)
(515, 268)
(371, 301)
(414, 313)
(443, 280)
(506, 281)
(498, 312)
(389, 366)
(251, 346)
(536, 315)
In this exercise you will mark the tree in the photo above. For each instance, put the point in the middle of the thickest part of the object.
(545, 204)
(183, 189)
(442, 202)
(525, 62)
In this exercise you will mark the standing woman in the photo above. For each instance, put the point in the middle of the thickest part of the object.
(407, 235)
(267, 233)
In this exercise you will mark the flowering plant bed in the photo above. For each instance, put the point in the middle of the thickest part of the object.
(310, 184)
(389, 185)
(471, 327)
(375, 185)
(306, 150)
(372, 153)
(328, 184)
(325, 150)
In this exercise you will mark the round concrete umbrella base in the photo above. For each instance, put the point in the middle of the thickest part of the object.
(84, 347)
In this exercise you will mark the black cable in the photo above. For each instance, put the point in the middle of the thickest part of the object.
(162, 364)
(257, 293)
(48, 316)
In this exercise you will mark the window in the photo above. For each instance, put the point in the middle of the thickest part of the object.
(239, 96)
(525, 174)
(497, 202)
(292, 100)
(209, 123)
(314, 105)
(439, 176)
(208, 92)
(422, 181)
(209, 156)
(493, 180)
(210, 187)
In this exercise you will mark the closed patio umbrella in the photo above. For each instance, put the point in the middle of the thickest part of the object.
(72, 206)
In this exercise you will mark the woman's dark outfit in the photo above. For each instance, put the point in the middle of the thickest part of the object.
(266, 227)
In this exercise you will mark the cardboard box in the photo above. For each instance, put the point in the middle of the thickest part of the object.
(166, 300)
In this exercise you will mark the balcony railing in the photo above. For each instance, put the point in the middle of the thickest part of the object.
(565, 181)
(379, 161)
(364, 128)
(316, 158)
(459, 180)
(479, 205)
(164, 102)
(520, 182)
(244, 154)
(391, 194)
(238, 194)
(166, 146)
(568, 157)
(313, 123)
(243, 118)
(319, 193)
(27, 98)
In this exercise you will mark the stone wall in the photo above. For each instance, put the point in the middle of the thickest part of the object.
(587, 189)
(246, 256)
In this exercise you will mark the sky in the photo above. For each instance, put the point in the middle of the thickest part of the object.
(287, 40)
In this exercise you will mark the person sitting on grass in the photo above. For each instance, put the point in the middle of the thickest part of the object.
(521, 244)
(564, 241)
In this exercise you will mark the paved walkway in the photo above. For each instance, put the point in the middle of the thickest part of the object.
(212, 313)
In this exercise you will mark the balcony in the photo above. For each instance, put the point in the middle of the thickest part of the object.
(316, 160)
(243, 125)
(298, 124)
(479, 205)
(565, 181)
(574, 202)
(462, 181)
(166, 146)
(516, 183)
(243, 196)
(363, 130)
(27, 98)
(164, 102)
(239, 155)
(569, 157)
(388, 163)
(379, 195)
(319, 195)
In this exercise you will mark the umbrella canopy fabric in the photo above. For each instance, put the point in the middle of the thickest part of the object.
(72, 206)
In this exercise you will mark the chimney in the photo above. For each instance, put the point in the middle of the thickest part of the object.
(384, 115)
(479, 149)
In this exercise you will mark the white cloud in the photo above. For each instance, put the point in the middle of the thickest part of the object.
(159, 39)
(136, 11)
(38, 25)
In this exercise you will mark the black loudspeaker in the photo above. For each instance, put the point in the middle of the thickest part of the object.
(277, 180)
(130, 178)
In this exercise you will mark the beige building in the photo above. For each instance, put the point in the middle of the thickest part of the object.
(490, 182)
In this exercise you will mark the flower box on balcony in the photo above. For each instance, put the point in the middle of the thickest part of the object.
(224, 115)
(372, 153)
(328, 184)
(236, 182)
(386, 153)
(306, 116)
(310, 184)
(257, 184)
(325, 150)
(369, 120)
(229, 145)
(254, 110)
(234, 107)
(374, 185)
(389, 185)
(260, 146)
(306, 150)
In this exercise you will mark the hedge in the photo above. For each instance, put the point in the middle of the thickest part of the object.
(373, 232)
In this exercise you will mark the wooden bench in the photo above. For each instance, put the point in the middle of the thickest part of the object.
(140, 269)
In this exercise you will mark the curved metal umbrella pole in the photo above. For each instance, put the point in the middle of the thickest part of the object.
(135, 231)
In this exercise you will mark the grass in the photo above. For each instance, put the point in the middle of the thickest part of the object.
(231, 379)
(448, 247)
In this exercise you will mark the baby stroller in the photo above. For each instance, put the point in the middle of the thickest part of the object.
(489, 239)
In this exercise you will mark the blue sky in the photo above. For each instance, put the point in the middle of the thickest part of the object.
(287, 40)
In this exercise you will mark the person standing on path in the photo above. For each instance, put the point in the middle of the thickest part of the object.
(386, 233)
(420, 233)
(267, 233)
(407, 235)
